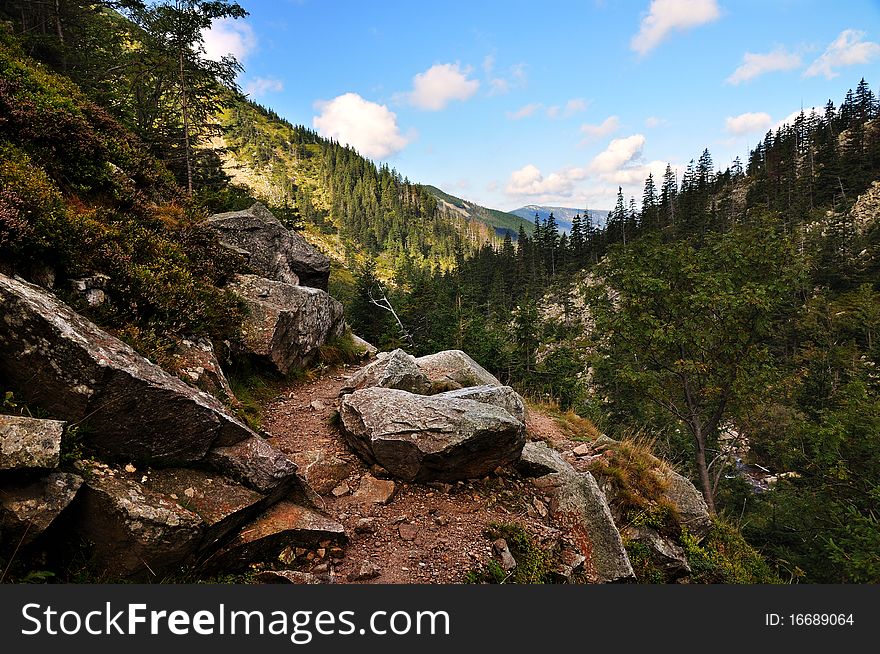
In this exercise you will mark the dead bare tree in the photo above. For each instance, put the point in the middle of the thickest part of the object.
(384, 303)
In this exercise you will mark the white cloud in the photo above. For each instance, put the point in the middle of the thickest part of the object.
(748, 123)
(848, 49)
(652, 122)
(262, 86)
(525, 111)
(754, 64)
(619, 153)
(666, 16)
(516, 78)
(790, 118)
(569, 109)
(529, 180)
(606, 127)
(368, 127)
(440, 85)
(227, 36)
(636, 175)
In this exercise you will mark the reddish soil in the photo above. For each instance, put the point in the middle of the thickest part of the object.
(426, 533)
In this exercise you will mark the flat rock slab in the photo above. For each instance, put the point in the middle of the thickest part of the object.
(501, 396)
(27, 509)
(286, 324)
(452, 369)
(374, 491)
(222, 504)
(539, 459)
(395, 369)
(271, 250)
(136, 533)
(56, 359)
(289, 577)
(423, 438)
(29, 443)
(255, 463)
(321, 470)
(284, 525)
(578, 506)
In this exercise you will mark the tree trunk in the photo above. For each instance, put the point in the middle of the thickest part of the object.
(703, 469)
(185, 108)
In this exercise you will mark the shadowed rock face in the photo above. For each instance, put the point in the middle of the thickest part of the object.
(395, 369)
(539, 459)
(56, 359)
(423, 438)
(29, 443)
(272, 250)
(286, 324)
(28, 508)
(689, 503)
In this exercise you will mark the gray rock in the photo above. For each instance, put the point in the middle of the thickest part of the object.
(368, 349)
(92, 289)
(365, 526)
(27, 509)
(255, 463)
(421, 438)
(222, 504)
(322, 470)
(196, 363)
(367, 571)
(539, 459)
(29, 443)
(502, 551)
(570, 563)
(286, 324)
(395, 369)
(580, 509)
(500, 396)
(453, 369)
(374, 491)
(56, 359)
(136, 533)
(284, 525)
(271, 250)
(582, 450)
(665, 554)
(689, 503)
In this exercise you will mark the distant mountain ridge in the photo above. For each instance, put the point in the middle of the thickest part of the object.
(501, 221)
(563, 215)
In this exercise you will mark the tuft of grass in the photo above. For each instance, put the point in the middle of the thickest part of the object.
(534, 565)
(339, 351)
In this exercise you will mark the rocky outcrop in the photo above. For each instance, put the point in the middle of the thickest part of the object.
(271, 250)
(284, 525)
(196, 363)
(501, 396)
(664, 553)
(689, 503)
(395, 369)
(286, 324)
(27, 509)
(453, 369)
(92, 289)
(579, 506)
(422, 438)
(539, 459)
(134, 532)
(56, 359)
(866, 209)
(255, 463)
(368, 349)
(29, 443)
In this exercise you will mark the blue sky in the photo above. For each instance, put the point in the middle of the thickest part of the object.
(555, 102)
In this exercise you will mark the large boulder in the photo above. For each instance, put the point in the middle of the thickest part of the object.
(395, 369)
(539, 459)
(689, 503)
(134, 532)
(578, 506)
(29, 443)
(27, 509)
(453, 369)
(270, 248)
(501, 396)
(426, 438)
(286, 324)
(129, 407)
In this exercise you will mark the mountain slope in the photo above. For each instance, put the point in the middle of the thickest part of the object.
(563, 215)
(503, 222)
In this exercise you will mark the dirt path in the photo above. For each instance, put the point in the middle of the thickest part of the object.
(425, 533)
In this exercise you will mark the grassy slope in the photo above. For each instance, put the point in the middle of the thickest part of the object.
(500, 220)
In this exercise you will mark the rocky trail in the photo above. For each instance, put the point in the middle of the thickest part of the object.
(400, 532)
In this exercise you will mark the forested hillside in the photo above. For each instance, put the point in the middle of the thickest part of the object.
(731, 316)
